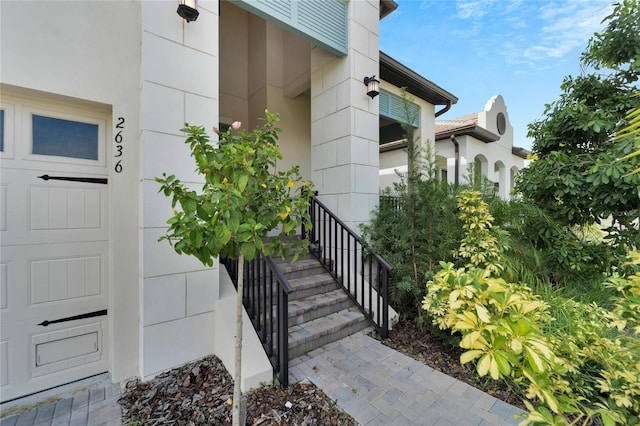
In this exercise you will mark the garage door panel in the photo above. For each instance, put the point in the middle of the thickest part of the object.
(4, 293)
(50, 278)
(42, 213)
(70, 278)
(35, 358)
(3, 207)
(4, 363)
(68, 348)
(65, 208)
(54, 254)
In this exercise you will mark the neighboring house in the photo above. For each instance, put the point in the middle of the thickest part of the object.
(417, 108)
(484, 140)
(96, 93)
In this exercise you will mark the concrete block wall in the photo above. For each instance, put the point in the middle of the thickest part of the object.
(179, 83)
(344, 120)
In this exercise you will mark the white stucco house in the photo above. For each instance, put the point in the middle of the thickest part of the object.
(484, 139)
(93, 97)
(424, 102)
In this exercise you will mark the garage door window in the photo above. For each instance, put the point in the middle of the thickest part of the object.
(64, 138)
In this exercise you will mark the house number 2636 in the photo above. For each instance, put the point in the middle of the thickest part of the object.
(119, 139)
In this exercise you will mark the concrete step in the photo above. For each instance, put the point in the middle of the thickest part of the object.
(301, 268)
(312, 285)
(321, 331)
(317, 305)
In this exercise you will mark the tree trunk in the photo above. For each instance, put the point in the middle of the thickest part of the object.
(237, 393)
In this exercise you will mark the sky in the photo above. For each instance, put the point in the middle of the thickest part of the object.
(475, 49)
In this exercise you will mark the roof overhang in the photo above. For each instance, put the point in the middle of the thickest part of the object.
(474, 130)
(399, 75)
(392, 146)
(520, 152)
(386, 7)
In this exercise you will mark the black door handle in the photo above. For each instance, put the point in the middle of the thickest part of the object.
(75, 179)
(75, 317)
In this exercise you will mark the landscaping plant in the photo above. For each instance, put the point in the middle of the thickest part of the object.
(414, 225)
(574, 175)
(243, 199)
(579, 366)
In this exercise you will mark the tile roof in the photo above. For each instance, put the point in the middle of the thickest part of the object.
(465, 125)
(464, 122)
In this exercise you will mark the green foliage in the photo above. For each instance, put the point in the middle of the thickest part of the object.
(482, 245)
(632, 132)
(414, 244)
(243, 197)
(580, 364)
(415, 224)
(575, 175)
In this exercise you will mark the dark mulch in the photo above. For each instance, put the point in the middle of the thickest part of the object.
(200, 393)
(429, 348)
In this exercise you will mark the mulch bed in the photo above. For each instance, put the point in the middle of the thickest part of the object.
(201, 392)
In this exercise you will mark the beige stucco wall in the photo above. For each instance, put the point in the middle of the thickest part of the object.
(344, 121)
(264, 67)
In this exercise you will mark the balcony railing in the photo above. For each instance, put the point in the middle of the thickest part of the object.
(363, 275)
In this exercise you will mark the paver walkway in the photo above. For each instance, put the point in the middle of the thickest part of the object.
(380, 386)
(95, 407)
(374, 383)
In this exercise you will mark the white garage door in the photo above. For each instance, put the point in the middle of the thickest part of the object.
(54, 245)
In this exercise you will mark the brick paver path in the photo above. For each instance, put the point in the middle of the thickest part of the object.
(380, 386)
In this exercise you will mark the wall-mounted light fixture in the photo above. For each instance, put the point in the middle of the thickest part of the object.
(188, 9)
(373, 86)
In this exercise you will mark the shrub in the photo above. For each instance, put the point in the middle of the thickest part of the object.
(581, 367)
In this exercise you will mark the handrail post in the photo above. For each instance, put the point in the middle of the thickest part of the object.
(385, 305)
(322, 217)
(283, 336)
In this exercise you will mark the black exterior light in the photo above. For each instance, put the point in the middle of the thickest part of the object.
(373, 86)
(188, 10)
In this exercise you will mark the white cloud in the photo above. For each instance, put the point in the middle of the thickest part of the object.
(472, 9)
(555, 29)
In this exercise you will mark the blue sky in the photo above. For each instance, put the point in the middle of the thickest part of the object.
(521, 49)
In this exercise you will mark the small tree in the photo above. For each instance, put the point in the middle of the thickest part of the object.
(575, 177)
(242, 200)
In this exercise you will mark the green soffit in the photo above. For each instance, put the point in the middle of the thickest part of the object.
(322, 22)
(393, 107)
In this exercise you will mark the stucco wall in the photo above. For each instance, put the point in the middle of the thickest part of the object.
(344, 121)
(425, 136)
(179, 80)
(264, 67)
(501, 164)
(90, 51)
(147, 65)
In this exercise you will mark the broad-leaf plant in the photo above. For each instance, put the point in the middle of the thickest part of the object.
(244, 200)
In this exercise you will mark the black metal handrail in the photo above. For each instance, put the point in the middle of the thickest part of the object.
(364, 276)
(266, 300)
